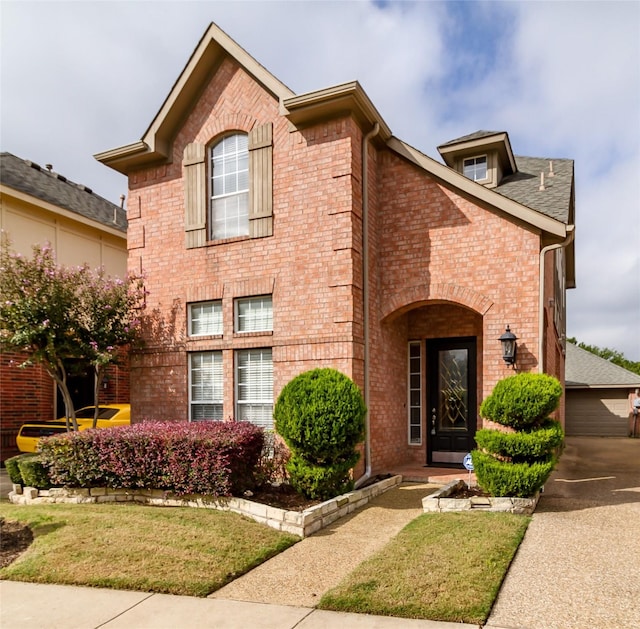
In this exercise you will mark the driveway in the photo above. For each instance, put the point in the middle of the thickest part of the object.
(579, 564)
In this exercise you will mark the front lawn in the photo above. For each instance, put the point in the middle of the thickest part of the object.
(176, 551)
(441, 566)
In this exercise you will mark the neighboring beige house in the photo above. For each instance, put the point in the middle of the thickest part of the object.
(38, 205)
(597, 395)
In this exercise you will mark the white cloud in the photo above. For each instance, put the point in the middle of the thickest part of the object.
(562, 77)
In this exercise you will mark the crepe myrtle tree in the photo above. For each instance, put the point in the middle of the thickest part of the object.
(108, 313)
(57, 315)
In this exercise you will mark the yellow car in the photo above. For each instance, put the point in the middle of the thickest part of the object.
(109, 415)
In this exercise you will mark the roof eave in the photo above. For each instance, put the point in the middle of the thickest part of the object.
(62, 211)
(331, 102)
(155, 145)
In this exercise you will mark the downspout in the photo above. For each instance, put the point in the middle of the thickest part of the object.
(365, 297)
(565, 243)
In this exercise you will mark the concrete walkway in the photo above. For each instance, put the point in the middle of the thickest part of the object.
(304, 572)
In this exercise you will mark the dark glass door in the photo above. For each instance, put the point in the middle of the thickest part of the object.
(451, 382)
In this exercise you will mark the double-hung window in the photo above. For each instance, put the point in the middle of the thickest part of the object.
(205, 318)
(205, 385)
(475, 168)
(229, 204)
(254, 386)
(254, 314)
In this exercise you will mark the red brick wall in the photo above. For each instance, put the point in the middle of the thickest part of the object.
(307, 264)
(26, 394)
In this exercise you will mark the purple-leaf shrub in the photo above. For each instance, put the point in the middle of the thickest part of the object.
(212, 458)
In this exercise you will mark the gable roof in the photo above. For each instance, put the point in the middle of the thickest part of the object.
(29, 178)
(584, 370)
(215, 45)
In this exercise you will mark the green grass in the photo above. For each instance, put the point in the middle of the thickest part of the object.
(441, 566)
(176, 551)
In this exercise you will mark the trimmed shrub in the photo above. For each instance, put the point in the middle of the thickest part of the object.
(523, 400)
(519, 463)
(211, 458)
(524, 446)
(34, 473)
(320, 415)
(319, 482)
(502, 478)
(13, 469)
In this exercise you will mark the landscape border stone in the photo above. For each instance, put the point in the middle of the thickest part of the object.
(440, 501)
(301, 523)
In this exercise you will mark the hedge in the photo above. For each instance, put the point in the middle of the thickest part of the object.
(211, 458)
(523, 446)
(503, 478)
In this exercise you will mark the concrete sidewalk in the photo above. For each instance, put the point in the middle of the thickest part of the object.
(34, 606)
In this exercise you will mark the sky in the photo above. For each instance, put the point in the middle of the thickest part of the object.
(562, 78)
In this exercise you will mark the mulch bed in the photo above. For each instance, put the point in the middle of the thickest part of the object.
(468, 492)
(15, 538)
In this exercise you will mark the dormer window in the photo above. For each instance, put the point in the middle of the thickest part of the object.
(475, 168)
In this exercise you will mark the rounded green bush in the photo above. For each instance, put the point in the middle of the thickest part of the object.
(524, 446)
(320, 415)
(502, 478)
(523, 400)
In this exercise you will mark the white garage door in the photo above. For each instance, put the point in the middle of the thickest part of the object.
(597, 412)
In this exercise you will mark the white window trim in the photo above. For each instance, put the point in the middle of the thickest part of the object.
(409, 389)
(261, 401)
(190, 382)
(190, 308)
(237, 318)
(475, 158)
(227, 195)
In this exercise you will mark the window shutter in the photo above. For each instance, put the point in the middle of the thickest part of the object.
(261, 177)
(195, 195)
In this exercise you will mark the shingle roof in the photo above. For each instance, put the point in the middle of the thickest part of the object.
(524, 186)
(584, 369)
(476, 135)
(30, 178)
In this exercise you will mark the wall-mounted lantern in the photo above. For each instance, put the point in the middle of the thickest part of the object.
(509, 346)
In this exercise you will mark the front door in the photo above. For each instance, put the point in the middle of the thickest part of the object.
(451, 387)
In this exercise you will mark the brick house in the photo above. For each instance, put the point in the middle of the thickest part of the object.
(282, 232)
(39, 205)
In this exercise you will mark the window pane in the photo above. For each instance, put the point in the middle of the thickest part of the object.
(254, 314)
(229, 204)
(205, 318)
(254, 381)
(415, 394)
(205, 385)
(475, 168)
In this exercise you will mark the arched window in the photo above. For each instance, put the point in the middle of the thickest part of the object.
(229, 187)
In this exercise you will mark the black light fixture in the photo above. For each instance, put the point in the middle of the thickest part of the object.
(509, 346)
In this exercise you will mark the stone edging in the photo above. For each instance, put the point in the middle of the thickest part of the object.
(302, 523)
(439, 501)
